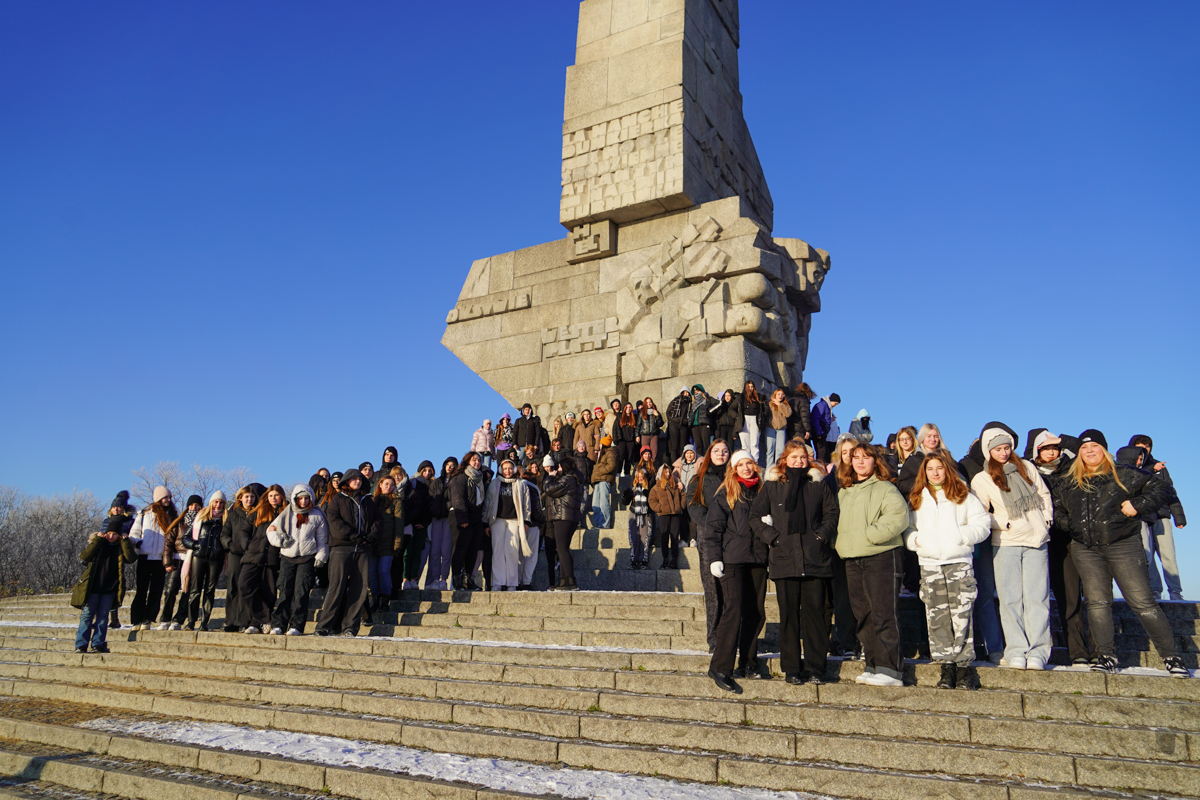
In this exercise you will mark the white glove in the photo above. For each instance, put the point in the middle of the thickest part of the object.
(318, 563)
(717, 568)
(768, 521)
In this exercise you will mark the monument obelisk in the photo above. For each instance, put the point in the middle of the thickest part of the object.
(669, 274)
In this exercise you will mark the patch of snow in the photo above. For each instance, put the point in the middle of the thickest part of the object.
(24, 623)
(499, 774)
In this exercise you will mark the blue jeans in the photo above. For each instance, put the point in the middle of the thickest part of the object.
(379, 576)
(93, 621)
(776, 439)
(1023, 583)
(987, 621)
(602, 505)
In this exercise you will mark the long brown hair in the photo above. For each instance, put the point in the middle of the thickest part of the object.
(732, 486)
(845, 473)
(379, 483)
(805, 391)
(702, 470)
(665, 477)
(627, 416)
(781, 465)
(264, 511)
(750, 393)
(163, 515)
(583, 421)
(331, 489)
(954, 487)
(995, 471)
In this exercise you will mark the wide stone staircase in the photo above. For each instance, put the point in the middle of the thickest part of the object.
(580, 694)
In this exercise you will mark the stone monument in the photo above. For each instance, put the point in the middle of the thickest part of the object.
(669, 275)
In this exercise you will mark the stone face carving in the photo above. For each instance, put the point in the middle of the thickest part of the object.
(669, 275)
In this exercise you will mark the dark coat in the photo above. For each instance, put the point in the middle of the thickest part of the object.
(439, 507)
(606, 466)
(527, 431)
(353, 521)
(562, 495)
(418, 510)
(727, 535)
(801, 420)
(208, 546)
(666, 501)
(625, 433)
(115, 555)
(912, 466)
(1094, 517)
(680, 408)
(258, 549)
(808, 554)
(237, 530)
(391, 524)
(566, 435)
(462, 509)
(712, 481)
(730, 414)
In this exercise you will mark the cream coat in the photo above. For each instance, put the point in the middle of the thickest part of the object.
(1031, 530)
(491, 506)
(944, 532)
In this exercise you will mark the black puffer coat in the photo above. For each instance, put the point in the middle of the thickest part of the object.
(808, 554)
(439, 507)
(208, 546)
(352, 521)
(419, 512)
(463, 510)
(1094, 517)
(258, 549)
(727, 536)
(562, 495)
(712, 481)
(237, 530)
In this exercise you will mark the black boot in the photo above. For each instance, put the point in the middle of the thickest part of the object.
(949, 676)
(366, 612)
(459, 582)
(967, 678)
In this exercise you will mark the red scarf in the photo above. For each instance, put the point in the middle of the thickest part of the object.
(749, 484)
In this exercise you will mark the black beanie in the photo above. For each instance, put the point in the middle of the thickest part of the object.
(835, 398)
(424, 464)
(116, 524)
(121, 500)
(197, 499)
(1093, 435)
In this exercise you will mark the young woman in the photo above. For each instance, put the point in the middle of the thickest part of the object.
(860, 426)
(331, 489)
(905, 445)
(567, 434)
(701, 417)
(841, 452)
(505, 437)
(465, 492)
(260, 563)
(748, 429)
(174, 555)
(625, 440)
(441, 544)
(872, 518)
(729, 416)
(700, 493)
(1101, 501)
(945, 524)
(563, 494)
(302, 536)
(527, 561)
(409, 560)
(679, 428)
(650, 425)
(390, 505)
(204, 541)
(844, 642)
(604, 484)
(801, 425)
(929, 439)
(102, 582)
(685, 470)
(1021, 511)
(588, 432)
(483, 441)
(795, 516)
(148, 536)
(506, 514)
(739, 562)
(779, 412)
(666, 501)
(353, 527)
(611, 418)
(641, 522)
(236, 532)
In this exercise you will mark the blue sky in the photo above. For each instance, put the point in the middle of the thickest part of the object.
(229, 233)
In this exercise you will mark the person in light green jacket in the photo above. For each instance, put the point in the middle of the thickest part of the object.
(872, 519)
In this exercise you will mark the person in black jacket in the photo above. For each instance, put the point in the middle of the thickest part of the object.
(527, 431)
(260, 564)
(419, 516)
(465, 490)
(739, 562)
(441, 542)
(235, 533)
(728, 416)
(204, 540)
(1160, 539)
(800, 425)
(566, 434)
(353, 526)
(101, 584)
(699, 495)
(562, 496)
(796, 515)
(625, 440)
(1101, 502)
(678, 428)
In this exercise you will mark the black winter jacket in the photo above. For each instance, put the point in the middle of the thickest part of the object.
(679, 409)
(208, 546)
(727, 535)
(712, 482)
(463, 510)
(810, 553)
(800, 422)
(730, 414)
(527, 431)
(352, 521)
(1094, 517)
(439, 507)
(562, 495)
(566, 435)
(237, 530)
(419, 512)
(258, 549)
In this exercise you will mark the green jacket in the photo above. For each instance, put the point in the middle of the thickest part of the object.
(873, 517)
(126, 555)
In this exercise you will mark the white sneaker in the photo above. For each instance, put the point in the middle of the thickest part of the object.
(294, 632)
(276, 631)
(1035, 664)
(251, 629)
(166, 626)
(1016, 662)
(879, 679)
(175, 626)
(863, 677)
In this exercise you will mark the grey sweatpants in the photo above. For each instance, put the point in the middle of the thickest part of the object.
(948, 592)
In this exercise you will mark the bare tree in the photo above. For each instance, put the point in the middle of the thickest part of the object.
(182, 482)
(41, 538)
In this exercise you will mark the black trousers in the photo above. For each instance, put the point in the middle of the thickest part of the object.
(564, 531)
(874, 583)
(256, 592)
(347, 593)
(1068, 595)
(670, 528)
(727, 433)
(837, 604)
(824, 450)
(802, 618)
(677, 439)
(467, 543)
(713, 594)
(701, 437)
(235, 613)
(295, 585)
(745, 589)
(202, 589)
(150, 575)
(171, 593)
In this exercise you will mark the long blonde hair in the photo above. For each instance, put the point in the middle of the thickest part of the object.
(912, 432)
(1080, 472)
(731, 485)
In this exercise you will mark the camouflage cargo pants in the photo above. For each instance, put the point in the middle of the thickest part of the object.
(948, 592)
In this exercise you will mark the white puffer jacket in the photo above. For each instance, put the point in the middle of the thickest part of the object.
(299, 540)
(146, 535)
(944, 532)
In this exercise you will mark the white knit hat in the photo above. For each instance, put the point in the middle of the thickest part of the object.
(738, 456)
(548, 462)
(160, 492)
(217, 495)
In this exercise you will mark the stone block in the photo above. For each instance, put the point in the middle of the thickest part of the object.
(542, 723)
(760, 743)
(159, 752)
(680, 766)
(506, 745)
(853, 783)
(143, 787)
(345, 727)
(587, 88)
(366, 784)
(594, 16)
(1127, 775)
(711, 711)
(592, 240)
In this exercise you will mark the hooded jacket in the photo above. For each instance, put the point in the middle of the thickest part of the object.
(872, 516)
(808, 553)
(822, 419)
(1173, 507)
(860, 427)
(1030, 530)
(353, 521)
(237, 530)
(562, 495)
(972, 463)
(944, 532)
(679, 408)
(727, 535)
(296, 540)
(1092, 513)
(102, 557)
(146, 535)
(527, 431)
(666, 501)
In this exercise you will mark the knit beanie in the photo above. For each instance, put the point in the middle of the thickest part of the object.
(160, 492)
(738, 456)
(115, 524)
(997, 438)
(606, 441)
(1093, 435)
(548, 462)
(835, 397)
(217, 495)
(698, 387)
(121, 500)
(197, 499)
(424, 464)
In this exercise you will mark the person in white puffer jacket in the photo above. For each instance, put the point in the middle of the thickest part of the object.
(302, 536)
(945, 524)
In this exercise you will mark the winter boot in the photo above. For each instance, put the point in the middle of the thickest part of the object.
(966, 678)
(949, 676)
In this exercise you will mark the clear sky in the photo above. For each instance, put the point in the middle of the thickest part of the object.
(230, 232)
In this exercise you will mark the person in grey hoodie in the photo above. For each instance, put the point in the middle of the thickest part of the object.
(302, 536)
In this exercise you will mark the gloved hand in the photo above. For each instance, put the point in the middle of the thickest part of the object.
(717, 568)
(319, 563)
(768, 521)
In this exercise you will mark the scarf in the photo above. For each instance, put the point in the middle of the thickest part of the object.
(525, 548)
(1021, 498)
(1049, 467)
(794, 502)
(474, 485)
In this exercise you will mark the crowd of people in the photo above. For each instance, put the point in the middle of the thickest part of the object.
(762, 486)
